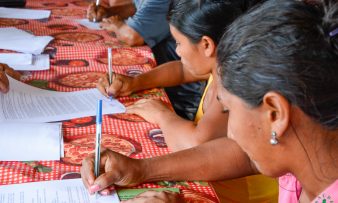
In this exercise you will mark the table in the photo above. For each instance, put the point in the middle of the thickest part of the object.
(78, 59)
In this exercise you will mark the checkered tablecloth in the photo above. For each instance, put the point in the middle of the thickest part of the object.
(77, 60)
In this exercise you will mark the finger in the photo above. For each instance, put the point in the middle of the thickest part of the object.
(100, 13)
(4, 83)
(105, 180)
(87, 171)
(11, 72)
(102, 86)
(109, 190)
(115, 87)
(91, 11)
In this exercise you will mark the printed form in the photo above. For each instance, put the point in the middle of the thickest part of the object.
(24, 103)
(58, 191)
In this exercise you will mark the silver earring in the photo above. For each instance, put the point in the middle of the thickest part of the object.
(273, 140)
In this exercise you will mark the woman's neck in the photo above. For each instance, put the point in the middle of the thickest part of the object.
(318, 168)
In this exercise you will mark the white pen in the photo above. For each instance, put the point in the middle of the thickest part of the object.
(98, 139)
(110, 68)
(96, 4)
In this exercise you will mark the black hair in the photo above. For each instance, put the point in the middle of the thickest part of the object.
(198, 18)
(285, 46)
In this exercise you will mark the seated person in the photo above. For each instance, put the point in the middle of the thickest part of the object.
(197, 29)
(280, 88)
(146, 23)
(4, 83)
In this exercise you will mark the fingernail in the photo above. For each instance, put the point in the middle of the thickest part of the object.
(94, 188)
(104, 193)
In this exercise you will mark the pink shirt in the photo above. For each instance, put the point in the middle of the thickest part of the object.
(290, 190)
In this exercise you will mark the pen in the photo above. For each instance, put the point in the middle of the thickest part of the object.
(110, 69)
(96, 4)
(98, 139)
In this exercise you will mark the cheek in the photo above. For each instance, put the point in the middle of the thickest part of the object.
(242, 130)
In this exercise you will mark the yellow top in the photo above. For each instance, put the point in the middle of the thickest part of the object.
(250, 189)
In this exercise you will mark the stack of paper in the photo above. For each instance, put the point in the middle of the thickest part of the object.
(26, 61)
(57, 191)
(24, 103)
(21, 41)
(30, 141)
(23, 13)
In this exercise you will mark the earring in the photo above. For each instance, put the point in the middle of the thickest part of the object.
(273, 140)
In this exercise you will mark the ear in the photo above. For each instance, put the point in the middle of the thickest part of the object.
(278, 111)
(208, 46)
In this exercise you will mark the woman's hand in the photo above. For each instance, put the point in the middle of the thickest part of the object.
(96, 12)
(112, 24)
(121, 85)
(4, 83)
(156, 197)
(151, 110)
(116, 169)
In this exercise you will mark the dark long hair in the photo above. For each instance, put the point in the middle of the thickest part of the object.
(285, 46)
(198, 18)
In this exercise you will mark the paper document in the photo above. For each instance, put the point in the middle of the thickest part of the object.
(25, 103)
(21, 41)
(33, 45)
(19, 13)
(12, 33)
(88, 24)
(16, 59)
(57, 191)
(30, 141)
(39, 62)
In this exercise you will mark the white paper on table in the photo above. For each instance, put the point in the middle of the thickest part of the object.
(39, 62)
(12, 33)
(57, 191)
(89, 24)
(30, 141)
(33, 45)
(16, 58)
(20, 13)
(24, 103)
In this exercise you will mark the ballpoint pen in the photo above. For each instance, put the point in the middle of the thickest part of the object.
(98, 139)
(110, 69)
(96, 4)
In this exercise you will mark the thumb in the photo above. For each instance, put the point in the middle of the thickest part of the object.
(115, 88)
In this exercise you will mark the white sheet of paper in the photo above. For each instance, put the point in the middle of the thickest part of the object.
(24, 103)
(33, 45)
(88, 24)
(12, 33)
(16, 59)
(20, 13)
(30, 141)
(57, 191)
(39, 62)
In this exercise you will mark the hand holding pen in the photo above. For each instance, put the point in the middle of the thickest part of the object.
(96, 12)
(96, 5)
(98, 139)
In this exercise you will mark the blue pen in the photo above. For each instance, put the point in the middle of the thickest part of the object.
(98, 139)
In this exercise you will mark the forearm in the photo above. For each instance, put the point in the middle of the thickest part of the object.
(216, 160)
(123, 10)
(166, 75)
(179, 134)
